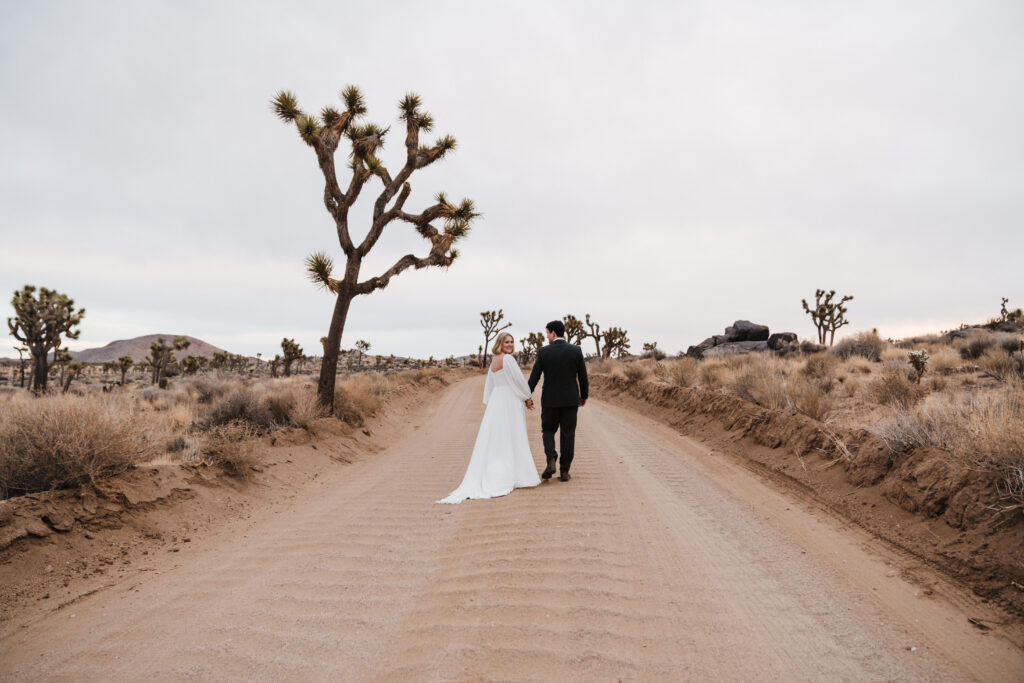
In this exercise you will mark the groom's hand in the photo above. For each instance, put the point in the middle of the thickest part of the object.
(583, 403)
(529, 403)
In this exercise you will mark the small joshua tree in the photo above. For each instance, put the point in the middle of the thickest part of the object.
(574, 332)
(74, 370)
(274, 365)
(61, 358)
(362, 347)
(22, 361)
(651, 350)
(615, 341)
(323, 134)
(531, 344)
(919, 361)
(193, 364)
(39, 323)
(594, 333)
(124, 363)
(161, 355)
(490, 321)
(292, 352)
(1006, 314)
(828, 315)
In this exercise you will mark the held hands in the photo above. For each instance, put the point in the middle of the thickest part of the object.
(529, 403)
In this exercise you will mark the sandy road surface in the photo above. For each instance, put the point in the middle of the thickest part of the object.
(657, 561)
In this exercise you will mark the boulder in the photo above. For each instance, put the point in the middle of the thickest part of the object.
(779, 339)
(961, 334)
(744, 330)
(1010, 326)
(735, 348)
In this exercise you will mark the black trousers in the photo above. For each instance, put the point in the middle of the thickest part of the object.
(553, 420)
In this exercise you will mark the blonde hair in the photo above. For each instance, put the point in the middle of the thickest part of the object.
(501, 340)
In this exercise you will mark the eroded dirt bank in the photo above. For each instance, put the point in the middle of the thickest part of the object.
(657, 561)
(923, 502)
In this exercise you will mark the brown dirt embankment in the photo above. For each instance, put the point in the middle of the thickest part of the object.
(924, 502)
(57, 546)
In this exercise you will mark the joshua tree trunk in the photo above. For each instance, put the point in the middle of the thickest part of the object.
(40, 371)
(329, 366)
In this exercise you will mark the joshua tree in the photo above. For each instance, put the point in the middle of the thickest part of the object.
(574, 332)
(39, 323)
(595, 334)
(61, 358)
(74, 370)
(274, 365)
(193, 364)
(490, 321)
(292, 352)
(615, 341)
(828, 315)
(362, 347)
(161, 356)
(323, 134)
(1006, 314)
(259, 356)
(651, 350)
(124, 362)
(529, 346)
(22, 362)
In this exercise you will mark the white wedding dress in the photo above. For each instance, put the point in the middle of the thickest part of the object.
(501, 459)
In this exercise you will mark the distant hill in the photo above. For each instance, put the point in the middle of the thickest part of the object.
(137, 348)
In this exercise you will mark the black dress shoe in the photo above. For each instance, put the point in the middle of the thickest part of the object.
(549, 470)
(564, 476)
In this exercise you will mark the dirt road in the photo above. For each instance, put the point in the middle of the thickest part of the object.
(657, 561)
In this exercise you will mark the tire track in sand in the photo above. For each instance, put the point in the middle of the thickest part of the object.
(650, 564)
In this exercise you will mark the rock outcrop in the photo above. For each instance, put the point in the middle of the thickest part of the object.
(742, 336)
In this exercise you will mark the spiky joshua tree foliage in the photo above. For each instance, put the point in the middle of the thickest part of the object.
(39, 323)
(574, 332)
(490, 321)
(124, 363)
(323, 134)
(292, 352)
(594, 333)
(828, 315)
(615, 341)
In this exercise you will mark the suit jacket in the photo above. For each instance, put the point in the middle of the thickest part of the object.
(563, 367)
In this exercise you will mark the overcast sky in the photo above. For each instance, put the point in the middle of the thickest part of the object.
(666, 167)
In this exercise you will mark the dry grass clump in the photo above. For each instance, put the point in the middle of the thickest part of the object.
(821, 366)
(944, 360)
(638, 371)
(1001, 365)
(229, 446)
(984, 430)
(813, 398)
(265, 408)
(60, 441)
(761, 381)
(680, 372)
(865, 344)
(207, 388)
(894, 388)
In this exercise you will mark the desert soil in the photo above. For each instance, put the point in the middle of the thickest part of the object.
(660, 559)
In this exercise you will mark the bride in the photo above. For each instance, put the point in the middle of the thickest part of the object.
(501, 459)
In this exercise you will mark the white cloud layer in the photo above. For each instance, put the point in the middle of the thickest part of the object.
(667, 167)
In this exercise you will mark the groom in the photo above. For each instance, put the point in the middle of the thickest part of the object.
(562, 365)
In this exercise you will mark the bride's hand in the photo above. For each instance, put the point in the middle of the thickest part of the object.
(529, 403)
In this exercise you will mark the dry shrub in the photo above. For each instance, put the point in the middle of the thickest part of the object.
(812, 397)
(600, 365)
(858, 365)
(231, 446)
(305, 410)
(681, 372)
(1001, 365)
(242, 404)
(974, 346)
(208, 389)
(865, 344)
(63, 441)
(760, 380)
(894, 388)
(637, 371)
(712, 374)
(944, 360)
(821, 366)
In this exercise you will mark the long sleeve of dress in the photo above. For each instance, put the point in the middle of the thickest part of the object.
(488, 386)
(516, 380)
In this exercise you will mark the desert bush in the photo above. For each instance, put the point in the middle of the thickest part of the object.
(821, 366)
(1001, 366)
(681, 372)
(712, 374)
(636, 372)
(230, 445)
(600, 365)
(208, 389)
(919, 361)
(865, 344)
(761, 381)
(812, 397)
(63, 441)
(242, 404)
(975, 346)
(944, 360)
(894, 388)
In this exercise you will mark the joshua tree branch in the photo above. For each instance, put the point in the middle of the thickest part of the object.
(407, 261)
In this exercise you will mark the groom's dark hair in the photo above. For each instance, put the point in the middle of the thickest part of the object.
(557, 327)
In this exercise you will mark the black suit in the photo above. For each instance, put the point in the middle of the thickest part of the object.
(565, 385)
